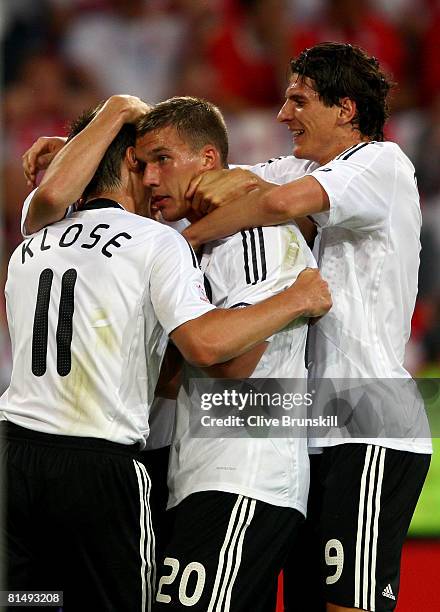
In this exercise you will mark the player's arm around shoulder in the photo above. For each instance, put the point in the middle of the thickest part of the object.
(267, 260)
(222, 334)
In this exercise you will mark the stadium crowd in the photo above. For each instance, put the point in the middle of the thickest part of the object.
(61, 56)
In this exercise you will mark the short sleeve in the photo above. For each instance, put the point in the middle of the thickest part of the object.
(24, 213)
(282, 170)
(176, 282)
(25, 210)
(360, 185)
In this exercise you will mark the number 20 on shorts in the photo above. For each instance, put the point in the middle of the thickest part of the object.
(184, 598)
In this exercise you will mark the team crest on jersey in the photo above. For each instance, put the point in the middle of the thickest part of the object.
(202, 293)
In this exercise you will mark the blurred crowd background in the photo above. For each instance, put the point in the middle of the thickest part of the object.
(61, 56)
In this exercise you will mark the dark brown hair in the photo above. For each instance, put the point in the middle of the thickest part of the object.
(197, 122)
(108, 174)
(343, 70)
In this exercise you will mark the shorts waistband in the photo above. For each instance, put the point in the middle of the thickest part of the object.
(11, 431)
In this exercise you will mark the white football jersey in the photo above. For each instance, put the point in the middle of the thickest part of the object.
(241, 270)
(90, 301)
(162, 411)
(369, 254)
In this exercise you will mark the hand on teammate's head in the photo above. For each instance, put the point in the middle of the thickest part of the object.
(38, 157)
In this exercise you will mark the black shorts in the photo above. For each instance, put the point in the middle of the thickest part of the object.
(156, 462)
(77, 520)
(303, 590)
(225, 554)
(369, 496)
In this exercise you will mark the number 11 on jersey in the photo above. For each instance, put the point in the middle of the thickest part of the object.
(64, 327)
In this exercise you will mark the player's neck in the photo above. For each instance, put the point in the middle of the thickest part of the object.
(342, 144)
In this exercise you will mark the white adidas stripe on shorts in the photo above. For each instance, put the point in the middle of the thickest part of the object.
(146, 541)
(367, 529)
(230, 554)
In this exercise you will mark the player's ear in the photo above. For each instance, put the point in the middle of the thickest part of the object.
(131, 160)
(347, 111)
(210, 158)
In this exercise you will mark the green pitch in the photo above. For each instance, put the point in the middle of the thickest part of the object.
(426, 520)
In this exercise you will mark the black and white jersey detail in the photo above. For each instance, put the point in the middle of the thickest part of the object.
(100, 203)
(208, 288)
(272, 160)
(40, 327)
(65, 318)
(353, 150)
(193, 256)
(240, 305)
(254, 264)
(254, 255)
(90, 301)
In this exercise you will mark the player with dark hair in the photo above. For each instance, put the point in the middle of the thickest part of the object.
(90, 302)
(361, 193)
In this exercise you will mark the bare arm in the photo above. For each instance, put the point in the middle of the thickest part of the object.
(73, 167)
(220, 335)
(242, 366)
(265, 204)
(170, 377)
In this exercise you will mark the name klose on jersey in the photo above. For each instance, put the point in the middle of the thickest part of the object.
(69, 237)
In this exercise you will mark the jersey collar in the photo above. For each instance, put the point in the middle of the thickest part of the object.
(100, 203)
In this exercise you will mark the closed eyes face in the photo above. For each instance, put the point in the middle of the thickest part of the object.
(169, 165)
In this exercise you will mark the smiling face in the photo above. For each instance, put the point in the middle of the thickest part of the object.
(315, 127)
(170, 165)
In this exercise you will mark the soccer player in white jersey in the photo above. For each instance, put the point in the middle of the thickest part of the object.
(362, 194)
(233, 500)
(90, 300)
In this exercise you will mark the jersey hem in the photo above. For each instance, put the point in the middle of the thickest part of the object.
(248, 492)
(421, 449)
